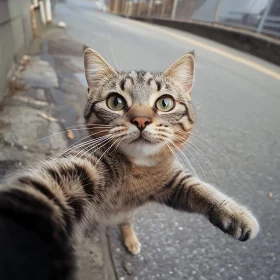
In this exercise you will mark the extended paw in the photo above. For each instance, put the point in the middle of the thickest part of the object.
(133, 245)
(235, 220)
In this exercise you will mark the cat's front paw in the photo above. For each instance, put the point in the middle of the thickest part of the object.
(133, 245)
(235, 220)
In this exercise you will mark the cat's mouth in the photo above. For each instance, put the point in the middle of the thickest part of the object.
(141, 144)
(141, 140)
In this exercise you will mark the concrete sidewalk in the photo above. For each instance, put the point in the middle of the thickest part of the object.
(48, 95)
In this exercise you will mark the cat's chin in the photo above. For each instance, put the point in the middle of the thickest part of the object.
(140, 148)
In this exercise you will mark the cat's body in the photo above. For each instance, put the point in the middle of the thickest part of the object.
(137, 120)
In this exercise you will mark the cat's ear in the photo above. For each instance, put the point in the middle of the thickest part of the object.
(96, 68)
(85, 47)
(182, 72)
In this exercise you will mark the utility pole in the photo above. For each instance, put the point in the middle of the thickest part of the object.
(116, 6)
(175, 3)
(163, 8)
(150, 8)
(218, 8)
(139, 7)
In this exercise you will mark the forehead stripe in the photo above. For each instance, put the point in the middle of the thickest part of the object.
(159, 85)
(122, 84)
(89, 109)
(149, 81)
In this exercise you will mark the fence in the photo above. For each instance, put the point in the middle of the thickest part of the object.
(262, 16)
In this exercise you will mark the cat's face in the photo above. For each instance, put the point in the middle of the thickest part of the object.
(140, 112)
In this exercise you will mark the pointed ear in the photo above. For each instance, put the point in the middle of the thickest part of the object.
(96, 68)
(85, 47)
(182, 72)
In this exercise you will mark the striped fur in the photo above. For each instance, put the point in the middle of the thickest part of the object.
(62, 197)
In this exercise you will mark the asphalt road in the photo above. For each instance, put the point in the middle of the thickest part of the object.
(237, 100)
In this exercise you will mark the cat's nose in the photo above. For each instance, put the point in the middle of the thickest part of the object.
(140, 116)
(141, 122)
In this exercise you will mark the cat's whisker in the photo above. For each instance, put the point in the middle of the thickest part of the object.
(65, 131)
(188, 161)
(85, 148)
(198, 136)
(76, 145)
(105, 152)
(97, 124)
(174, 154)
(89, 143)
(191, 145)
(193, 137)
(91, 151)
(197, 150)
(113, 52)
(116, 147)
(120, 140)
(192, 154)
(190, 141)
(91, 148)
(95, 139)
(73, 145)
(72, 128)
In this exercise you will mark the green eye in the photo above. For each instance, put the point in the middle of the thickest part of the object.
(165, 104)
(116, 102)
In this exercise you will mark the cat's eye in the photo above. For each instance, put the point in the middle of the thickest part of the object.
(116, 102)
(165, 104)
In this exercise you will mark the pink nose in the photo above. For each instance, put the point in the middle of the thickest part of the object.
(141, 122)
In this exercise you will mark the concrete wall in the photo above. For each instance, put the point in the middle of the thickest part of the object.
(253, 43)
(15, 35)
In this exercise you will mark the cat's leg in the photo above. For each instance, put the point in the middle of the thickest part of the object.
(185, 192)
(130, 239)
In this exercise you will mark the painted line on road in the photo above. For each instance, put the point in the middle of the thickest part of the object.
(226, 54)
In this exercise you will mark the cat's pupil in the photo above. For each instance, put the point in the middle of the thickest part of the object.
(117, 101)
(164, 103)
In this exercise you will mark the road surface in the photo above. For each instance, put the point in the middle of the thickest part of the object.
(237, 100)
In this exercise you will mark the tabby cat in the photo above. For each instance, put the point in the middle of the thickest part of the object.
(137, 121)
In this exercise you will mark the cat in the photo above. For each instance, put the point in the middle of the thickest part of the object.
(137, 121)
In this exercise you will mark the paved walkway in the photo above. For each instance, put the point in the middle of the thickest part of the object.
(48, 98)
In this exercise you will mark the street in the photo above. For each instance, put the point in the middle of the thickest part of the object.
(237, 101)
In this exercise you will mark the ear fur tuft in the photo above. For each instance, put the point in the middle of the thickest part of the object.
(181, 72)
(96, 68)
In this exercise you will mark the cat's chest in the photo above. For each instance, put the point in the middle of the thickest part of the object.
(147, 178)
(137, 186)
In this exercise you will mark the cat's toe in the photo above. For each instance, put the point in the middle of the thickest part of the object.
(236, 221)
(133, 246)
(249, 227)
